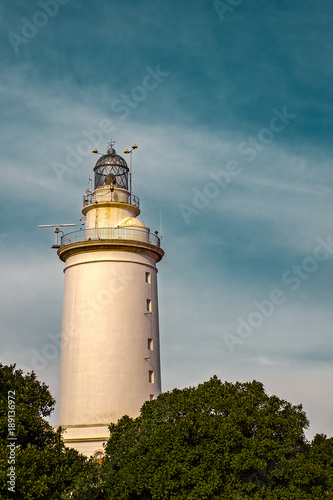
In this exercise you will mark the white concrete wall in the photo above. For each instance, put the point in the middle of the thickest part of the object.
(104, 373)
(87, 447)
(105, 359)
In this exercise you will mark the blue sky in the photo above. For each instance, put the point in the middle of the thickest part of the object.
(234, 91)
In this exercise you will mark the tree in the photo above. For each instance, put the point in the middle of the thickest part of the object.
(216, 441)
(43, 468)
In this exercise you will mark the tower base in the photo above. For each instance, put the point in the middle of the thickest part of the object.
(87, 439)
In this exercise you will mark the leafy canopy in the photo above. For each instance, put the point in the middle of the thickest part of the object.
(216, 441)
(44, 468)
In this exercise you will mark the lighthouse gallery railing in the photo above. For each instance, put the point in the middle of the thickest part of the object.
(111, 234)
(90, 198)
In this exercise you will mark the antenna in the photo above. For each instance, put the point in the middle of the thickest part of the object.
(57, 230)
(161, 225)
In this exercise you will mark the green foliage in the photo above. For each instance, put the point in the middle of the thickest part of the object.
(216, 441)
(33, 402)
(44, 468)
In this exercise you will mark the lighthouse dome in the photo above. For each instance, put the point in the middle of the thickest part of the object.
(111, 169)
(131, 222)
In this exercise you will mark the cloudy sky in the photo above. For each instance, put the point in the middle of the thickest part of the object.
(230, 104)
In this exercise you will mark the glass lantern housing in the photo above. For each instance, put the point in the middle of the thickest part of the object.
(111, 169)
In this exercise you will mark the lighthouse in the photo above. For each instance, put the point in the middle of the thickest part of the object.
(110, 350)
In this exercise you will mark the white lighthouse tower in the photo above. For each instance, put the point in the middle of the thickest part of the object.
(110, 355)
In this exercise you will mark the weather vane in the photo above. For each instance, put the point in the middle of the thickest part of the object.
(111, 144)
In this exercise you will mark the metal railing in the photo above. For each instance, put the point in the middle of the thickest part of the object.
(111, 234)
(90, 198)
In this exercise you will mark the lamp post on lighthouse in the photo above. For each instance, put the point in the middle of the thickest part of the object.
(129, 152)
(110, 355)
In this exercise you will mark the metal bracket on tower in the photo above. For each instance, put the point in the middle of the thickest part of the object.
(57, 230)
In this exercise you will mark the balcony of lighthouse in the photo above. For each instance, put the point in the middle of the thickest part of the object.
(111, 234)
(105, 195)
(130, 235)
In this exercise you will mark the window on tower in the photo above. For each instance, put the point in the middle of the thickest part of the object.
(151, 376)
(150, 344)
(98, 456)
(148, 305)
(148, 278)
